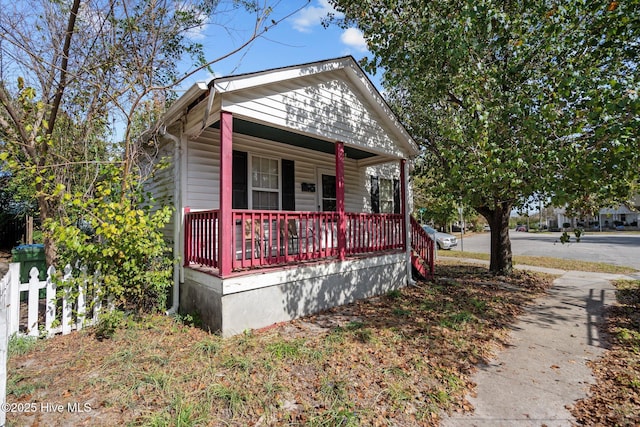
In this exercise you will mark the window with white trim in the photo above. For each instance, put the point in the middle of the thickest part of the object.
(265, 183)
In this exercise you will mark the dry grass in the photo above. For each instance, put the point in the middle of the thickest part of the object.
(398, 359)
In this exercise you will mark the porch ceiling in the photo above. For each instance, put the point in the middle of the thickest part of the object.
(258, 130)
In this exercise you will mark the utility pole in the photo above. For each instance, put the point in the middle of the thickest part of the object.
(540, 217)
(460, 210)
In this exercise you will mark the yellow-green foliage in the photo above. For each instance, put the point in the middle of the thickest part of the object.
(117, 233)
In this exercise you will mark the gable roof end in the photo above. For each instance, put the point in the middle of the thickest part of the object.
(223, 87)
(354, 73)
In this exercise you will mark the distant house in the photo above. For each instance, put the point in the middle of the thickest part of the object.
(290, 188)
(621, 216)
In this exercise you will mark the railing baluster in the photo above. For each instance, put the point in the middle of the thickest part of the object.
(272, 237)
(201, 238)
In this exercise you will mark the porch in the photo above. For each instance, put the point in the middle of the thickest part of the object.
(262, 239)
(287, 264)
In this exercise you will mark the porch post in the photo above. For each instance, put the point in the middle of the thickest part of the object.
(225, 243)
(403, 202)
(404, 210)
(342, 227)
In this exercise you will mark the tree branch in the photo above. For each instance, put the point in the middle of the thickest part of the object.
(5, 101)
(63, 68)
(456, 100)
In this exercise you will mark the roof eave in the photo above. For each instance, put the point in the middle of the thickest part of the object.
(347, 63)
(176, 110)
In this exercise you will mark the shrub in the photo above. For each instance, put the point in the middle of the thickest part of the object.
(108, 323)
(477, 228)
(115, 231)
(578, 233)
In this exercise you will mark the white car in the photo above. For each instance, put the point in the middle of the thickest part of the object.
(443, 240)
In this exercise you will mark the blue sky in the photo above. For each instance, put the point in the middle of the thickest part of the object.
(299, 39)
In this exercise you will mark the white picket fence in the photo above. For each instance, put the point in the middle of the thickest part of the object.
(63, 311)
(4, 346)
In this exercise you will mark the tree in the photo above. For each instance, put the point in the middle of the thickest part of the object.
(513, 100)
(439, 209)
(78, 77)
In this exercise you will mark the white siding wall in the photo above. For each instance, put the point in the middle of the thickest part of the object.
(161, 183)
(195, 116)
(389, 170)
(330, 109)
(202, 172)
(203, 166)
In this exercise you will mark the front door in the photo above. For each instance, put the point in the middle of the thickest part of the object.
(327, 193)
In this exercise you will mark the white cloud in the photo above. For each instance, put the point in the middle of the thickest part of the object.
(199, 32)
(353, 37)
(311, 16)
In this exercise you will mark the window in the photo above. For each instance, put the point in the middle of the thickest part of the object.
(268, 178)
(329, 201)
(386, 195)
(265, 183)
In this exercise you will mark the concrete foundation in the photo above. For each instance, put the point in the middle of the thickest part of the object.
(251, 301)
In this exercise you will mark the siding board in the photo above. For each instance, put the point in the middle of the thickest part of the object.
(161, 184)
(329, 109)
(203, 171)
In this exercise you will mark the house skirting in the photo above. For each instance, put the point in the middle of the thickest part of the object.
(250, 301)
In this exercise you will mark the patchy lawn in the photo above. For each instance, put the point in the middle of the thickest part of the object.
(615, 398)
(397, 359)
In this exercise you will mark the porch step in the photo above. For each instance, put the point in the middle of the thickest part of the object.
(420, 268)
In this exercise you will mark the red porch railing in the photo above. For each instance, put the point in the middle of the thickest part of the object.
(262, 238)
(201, 238)
(423, 249)
(277, 237)
(373, 232)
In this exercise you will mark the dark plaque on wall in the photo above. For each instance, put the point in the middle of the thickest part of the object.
(309, 187)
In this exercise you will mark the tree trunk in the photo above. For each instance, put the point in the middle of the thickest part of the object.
(501, 256)
(46, 212)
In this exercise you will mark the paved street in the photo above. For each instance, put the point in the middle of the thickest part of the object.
(611, 248)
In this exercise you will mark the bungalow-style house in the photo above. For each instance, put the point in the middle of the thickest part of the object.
(290, 189)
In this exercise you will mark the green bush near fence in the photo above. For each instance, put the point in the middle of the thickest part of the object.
(117, 232)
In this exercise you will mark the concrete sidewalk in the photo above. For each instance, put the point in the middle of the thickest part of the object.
(544, 371)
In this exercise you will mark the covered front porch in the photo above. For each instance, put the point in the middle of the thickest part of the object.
(227, 240)
(291, 195)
